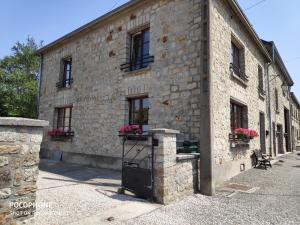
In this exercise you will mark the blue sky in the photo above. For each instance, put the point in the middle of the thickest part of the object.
(275, 20)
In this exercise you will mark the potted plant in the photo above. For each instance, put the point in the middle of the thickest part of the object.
(60, 134)
(245, 134)
(132, 132)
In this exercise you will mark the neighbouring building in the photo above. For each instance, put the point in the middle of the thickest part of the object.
(295, 114)
(196, 66)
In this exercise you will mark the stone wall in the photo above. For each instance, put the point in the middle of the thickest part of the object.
(226, 87)
(20, 141)
(100, 89)
(175, 176)
(276, 82)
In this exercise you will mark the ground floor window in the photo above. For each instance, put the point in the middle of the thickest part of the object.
(63, 117)
(238, 115)
(139, 112)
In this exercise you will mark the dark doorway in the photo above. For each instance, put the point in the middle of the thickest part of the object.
(279, 135)
(287, 131)
(262, 133)
(293, 138)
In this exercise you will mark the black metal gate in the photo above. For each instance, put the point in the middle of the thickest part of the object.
(137, 165)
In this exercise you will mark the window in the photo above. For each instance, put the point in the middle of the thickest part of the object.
(138, 112)
(237, 61)
(235, 58)
(261, 81)
(66, 79)
(238, 116)
(140, 44)
(276, 100)
(63, 117)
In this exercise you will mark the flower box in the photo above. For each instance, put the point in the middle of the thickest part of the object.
(242, 135)
(58, 134)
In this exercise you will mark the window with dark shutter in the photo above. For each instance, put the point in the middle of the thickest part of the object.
(63, 117)
(276, 100)
(138, 112)
(238, 116)
(66, 77)
(261, 81)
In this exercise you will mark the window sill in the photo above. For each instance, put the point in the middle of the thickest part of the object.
(235, 77)
(61, 139)
(64, 88)
(137, 72)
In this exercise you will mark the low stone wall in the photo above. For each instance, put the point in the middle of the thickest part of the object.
(175, 176)
(20, 141)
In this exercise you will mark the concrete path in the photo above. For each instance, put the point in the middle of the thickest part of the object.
(256, 196)
(74, 194)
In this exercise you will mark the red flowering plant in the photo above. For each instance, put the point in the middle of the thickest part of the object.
(130, 129)
(56, 132)
(244, 133)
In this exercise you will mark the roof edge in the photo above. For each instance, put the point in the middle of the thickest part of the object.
(88, 25)
(242, 16)
(280, 62)
(294, 97)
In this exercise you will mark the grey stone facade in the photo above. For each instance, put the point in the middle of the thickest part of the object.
(295, 116)
(190, 84)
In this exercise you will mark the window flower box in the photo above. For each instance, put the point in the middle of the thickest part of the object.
(132, 132)
(242, 136)
(59, 134)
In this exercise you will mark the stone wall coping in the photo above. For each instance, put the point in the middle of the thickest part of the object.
(24, 122)
(180, 157)
(164, 131)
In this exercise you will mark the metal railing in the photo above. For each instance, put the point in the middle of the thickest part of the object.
(238, 71)
(64, 83)
(132, 65)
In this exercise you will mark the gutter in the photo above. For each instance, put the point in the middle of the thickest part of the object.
(269, 102)
(40, 83)
(239, 12)
(89, 25)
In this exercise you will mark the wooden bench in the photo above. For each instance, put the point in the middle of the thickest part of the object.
(261, 160)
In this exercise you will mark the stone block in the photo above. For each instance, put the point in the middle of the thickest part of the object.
(5, 193)
(3, 161)
(5, 178)
(10, 149)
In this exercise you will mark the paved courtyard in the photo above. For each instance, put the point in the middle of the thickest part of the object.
(275, 201)
(87, 196)
(74, 194)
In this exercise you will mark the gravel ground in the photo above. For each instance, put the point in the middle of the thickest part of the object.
(68, 193)
(277, 201)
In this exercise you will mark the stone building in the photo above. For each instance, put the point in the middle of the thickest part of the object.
(295, 114)
(196, 66)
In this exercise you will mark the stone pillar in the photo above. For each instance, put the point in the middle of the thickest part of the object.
(164, 163)
(20, 141)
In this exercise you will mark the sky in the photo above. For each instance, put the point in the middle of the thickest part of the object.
(46, 21)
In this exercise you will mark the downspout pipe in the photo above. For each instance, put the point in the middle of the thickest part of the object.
(269, 101)
(40, 83)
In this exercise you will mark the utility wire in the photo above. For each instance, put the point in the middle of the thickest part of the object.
(254, 5)
(116, 3)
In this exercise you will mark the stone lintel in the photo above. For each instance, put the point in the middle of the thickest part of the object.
(22, 122)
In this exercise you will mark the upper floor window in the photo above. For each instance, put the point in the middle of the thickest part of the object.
(238, 116)
(139, 55)
(276, 100)
(138, 112)
(140, 43)
(66, 78)
(261, 81)
(237, 61)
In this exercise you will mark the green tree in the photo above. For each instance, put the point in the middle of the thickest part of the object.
(18, 81)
